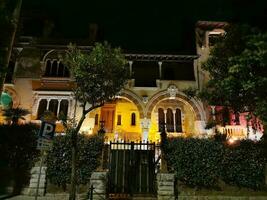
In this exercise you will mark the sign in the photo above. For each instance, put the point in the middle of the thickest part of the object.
(47, 130)
(46, 134)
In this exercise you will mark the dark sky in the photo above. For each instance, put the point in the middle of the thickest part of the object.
(146, 25)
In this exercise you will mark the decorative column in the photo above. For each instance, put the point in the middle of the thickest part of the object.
(145, 125)
(130, 68)
(47, 105)
(58, 106)
(160, 70)
(174, 120)
(165, 119)
(213, 112)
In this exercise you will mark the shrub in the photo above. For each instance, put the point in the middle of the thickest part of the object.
(244, 165)
(202, 162)
(18, 154)
(196, 162)
(59, 159)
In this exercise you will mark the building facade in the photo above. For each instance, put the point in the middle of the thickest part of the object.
(153, 99)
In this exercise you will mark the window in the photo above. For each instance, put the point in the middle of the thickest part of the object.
(96, 119)
(178, 120)
(133, 119)
(215, 37)
(119, 120)
(41, 108)
(53, 105)
(63, 109)
(56, 68)
(173, 119)
(169, 120)
(161, 120)
(59, 108)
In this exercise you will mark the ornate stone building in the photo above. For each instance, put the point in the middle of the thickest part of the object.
(153, 97)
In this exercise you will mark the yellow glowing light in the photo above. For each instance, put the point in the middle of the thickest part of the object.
(232, 140)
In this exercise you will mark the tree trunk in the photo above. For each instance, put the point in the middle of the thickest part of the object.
(73, 165)
(74, 150)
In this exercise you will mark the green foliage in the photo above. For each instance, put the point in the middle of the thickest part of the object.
(17, 154)
(238, 72)
(106, 69)
(59, 159)
(196, 162)
(15, 114)
(203, 162)
(244, 165)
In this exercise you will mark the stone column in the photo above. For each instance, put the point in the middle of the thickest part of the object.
(98, 180)
(130, 68)
(165, 119)
(174, 120)
(200, 127)
(165, 182)
(145, 125)
(160, 70)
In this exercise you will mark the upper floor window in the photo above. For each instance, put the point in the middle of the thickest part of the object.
(215, 36)
(58, 107)
(55, 68)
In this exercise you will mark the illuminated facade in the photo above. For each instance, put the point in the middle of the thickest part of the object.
(152, 100)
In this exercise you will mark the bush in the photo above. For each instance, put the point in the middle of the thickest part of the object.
(244, 165)
(59, 159)
(196, 162)
(203, 162)
(18, 154)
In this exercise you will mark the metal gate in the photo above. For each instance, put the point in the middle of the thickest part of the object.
(132, 168)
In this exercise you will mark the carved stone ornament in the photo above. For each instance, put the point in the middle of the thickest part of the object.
(172, 90)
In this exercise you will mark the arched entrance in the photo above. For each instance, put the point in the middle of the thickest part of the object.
(180, 114)
(121, 120)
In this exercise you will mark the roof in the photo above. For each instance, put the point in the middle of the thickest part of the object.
(211, 24)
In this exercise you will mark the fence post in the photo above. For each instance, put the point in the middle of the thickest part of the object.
(91, 192)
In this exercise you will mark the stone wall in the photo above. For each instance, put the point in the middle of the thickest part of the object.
(31, 190)
(165, 184)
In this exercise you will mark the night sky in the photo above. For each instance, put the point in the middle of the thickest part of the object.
(146, 26)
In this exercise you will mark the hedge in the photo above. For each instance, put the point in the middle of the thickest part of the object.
(59, 159)
(244, 165)
(195, 162)
(204, 162)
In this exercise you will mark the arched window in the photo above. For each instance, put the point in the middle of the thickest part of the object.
(96, 119)
(63, 109)
(66, 72)
(133, 119)
(178, 120)
(54, 69)
(53, 105)
(48, 68)
(60, 70)
(119, 120)
(41, 108)
(169, 120)
(161, 119)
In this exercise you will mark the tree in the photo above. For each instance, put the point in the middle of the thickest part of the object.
(13, 115)
(99, 76)
(9, 16)
(237, 66)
